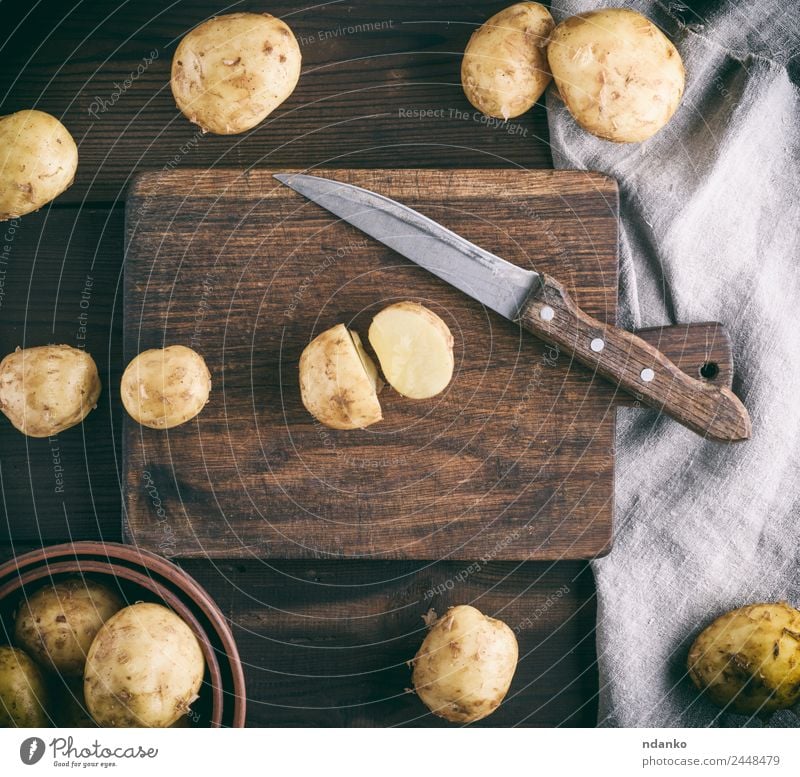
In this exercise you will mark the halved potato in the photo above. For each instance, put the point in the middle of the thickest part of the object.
(338, 380)
(415, 349)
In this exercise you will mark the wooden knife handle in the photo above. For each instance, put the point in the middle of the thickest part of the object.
(634, 365)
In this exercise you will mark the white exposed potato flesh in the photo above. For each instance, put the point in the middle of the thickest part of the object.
(414, 348)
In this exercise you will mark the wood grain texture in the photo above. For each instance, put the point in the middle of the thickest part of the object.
(62, 56)
(61, 282)
(380, 87)
(326, 643)
(634, 365)
(513, 461)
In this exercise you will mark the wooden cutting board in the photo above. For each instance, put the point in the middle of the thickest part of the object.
(515, 460)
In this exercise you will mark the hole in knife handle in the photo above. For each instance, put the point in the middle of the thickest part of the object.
(709, 370)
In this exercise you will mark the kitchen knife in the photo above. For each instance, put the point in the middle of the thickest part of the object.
(537, 303)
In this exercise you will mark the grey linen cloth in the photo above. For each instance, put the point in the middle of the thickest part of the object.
(710, 216)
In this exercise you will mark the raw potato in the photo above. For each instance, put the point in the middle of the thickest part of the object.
(465, 665)
(145, 668)
(619, 75)
(165, 387)
(58, 623)
(338, 380)
(415, 349)
(38, 160)
(47, 389)
(23, 696)
(748, 660)
(504, 70)
(232, 71)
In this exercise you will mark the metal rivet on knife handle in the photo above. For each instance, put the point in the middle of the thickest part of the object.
(632, 364)
(532, 299)
(597, 344)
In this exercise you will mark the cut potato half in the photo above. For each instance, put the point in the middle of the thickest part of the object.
(338, 380)
(415, 349)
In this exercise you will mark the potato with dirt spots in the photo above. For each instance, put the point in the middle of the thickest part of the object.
(338, 380)
(465, 665)
(231, 72)
(165, 387)
(144, 669)
(620, 77)
(58, 623)
(23, 695)
(505, 70)
(748, 660)
(38, 161)
(47, 389)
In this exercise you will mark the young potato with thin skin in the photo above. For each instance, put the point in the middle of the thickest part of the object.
(57, 624)
(23, 694)
(338, 380)
(465, 665)
(748, 660)
(47, 389)
(414, 348)
(620, 77)
(504, 70)
(231, 72)
(38, 161)
(144, 669)
(165, 387)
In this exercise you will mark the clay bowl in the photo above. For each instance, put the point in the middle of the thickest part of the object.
(142, 576)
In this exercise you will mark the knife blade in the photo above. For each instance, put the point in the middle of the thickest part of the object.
(498, 284)
(535, 301)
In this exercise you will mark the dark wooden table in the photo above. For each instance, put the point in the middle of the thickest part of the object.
(324, 643)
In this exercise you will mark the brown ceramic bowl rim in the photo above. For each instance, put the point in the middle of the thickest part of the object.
(78, 566)
(171, 573)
